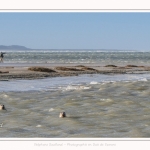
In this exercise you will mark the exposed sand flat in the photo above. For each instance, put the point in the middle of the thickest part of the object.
(23, 72)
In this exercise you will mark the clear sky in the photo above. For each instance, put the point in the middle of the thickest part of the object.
(95, 30)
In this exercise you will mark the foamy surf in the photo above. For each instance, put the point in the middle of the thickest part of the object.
(92, 110)
(39, 126)
(80, 87)
(81, 82)
(94, 82)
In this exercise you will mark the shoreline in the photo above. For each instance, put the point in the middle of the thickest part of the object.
(10, 72)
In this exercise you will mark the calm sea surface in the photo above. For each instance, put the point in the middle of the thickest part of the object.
(101, 106)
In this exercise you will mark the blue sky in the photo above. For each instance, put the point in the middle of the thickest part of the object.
(95, 30)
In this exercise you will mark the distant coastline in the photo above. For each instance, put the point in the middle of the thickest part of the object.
(13, 47)
(19, 47)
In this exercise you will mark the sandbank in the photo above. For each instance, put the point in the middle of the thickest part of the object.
(21, 71)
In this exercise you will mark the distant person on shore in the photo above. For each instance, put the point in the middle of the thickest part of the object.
(1, 56)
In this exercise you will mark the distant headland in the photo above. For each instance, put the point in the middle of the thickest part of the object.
(19, 47)
(13, 47)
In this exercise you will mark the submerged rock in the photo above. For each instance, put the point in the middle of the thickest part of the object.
(41, 69)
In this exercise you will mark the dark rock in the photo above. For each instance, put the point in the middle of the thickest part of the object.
(4, 71)
(41, 69)
(67, 69)
(121, 68)
(9, 67)
(131, 66)
(80, 66)
(88, 69)
(110, 66)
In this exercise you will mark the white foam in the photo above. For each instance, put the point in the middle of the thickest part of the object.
(82, 82)
(85, 88)
(106, 100)
(93, 82)
(51, 109)
(80, 87)
(5, 95)
(143, 79)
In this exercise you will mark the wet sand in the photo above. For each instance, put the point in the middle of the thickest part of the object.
(61, 70)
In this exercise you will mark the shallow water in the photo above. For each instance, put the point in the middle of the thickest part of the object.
(95, 105)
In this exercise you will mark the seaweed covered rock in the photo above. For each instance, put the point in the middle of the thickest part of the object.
(67, 69)
(131, 66)
(79, 66)
(88, 69)
(41, 69)
(110, 66)
(4, 71)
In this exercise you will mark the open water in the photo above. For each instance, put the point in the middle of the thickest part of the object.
(78, 56)
(101, 106)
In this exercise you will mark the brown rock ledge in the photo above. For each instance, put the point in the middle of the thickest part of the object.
(67, 69)
(110, 66)
(41, 69)
(9, 73)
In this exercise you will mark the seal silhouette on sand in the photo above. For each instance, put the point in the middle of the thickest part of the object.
(2, 107)
(62, 115)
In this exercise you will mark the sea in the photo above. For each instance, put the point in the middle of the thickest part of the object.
(96, 106)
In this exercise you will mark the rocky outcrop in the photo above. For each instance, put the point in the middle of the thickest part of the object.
(82, 68)
(41, 69)
(67, 69)
(88, 69)
(79, 66)
(131, 66)
(4, 71)
(110, 66)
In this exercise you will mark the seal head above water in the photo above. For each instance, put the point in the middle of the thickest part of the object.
(2, 107)
(62, 115)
